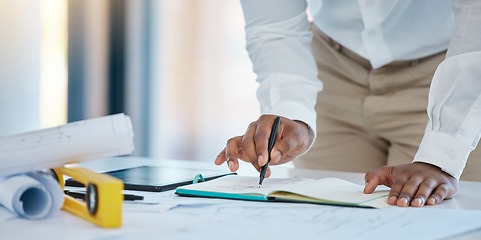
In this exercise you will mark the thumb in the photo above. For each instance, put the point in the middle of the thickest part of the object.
(381, 176)
(372, 181)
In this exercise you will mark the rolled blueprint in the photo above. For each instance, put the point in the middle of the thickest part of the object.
(70, 143)
(33, 195)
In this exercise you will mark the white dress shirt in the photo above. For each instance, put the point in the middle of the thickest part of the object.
(382, 31)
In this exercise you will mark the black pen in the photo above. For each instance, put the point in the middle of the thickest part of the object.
(127, 197)
(272, 141)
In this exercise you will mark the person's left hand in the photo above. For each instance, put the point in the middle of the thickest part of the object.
(414, 184)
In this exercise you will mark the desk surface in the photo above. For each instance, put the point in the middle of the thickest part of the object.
(468, 196)
(216, 218)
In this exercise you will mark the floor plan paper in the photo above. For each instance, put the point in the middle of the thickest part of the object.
(70, 143)
(33, 195)
(203, 218)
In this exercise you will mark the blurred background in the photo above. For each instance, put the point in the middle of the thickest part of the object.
(178, 67)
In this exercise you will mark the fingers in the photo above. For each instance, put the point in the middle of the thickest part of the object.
(372, 181)
(428, 192)
(424, 191)
(292, 140)
(261, 139)
(381, 176)
(416, 184)
(419, 184)
(249, 144)
(220, 158)
(246, 147)
(417, 192)
(408, 188)
(252, 139)
(439, 195)
(286, 145)
(231, 153)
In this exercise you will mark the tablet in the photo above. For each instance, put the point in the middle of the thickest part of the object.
(156, 179)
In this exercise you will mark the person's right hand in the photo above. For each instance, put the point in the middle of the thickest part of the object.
(292, 140)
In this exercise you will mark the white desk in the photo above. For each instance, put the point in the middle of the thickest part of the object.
(219, 219)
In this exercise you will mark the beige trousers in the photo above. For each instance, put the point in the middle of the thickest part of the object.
(368, 118)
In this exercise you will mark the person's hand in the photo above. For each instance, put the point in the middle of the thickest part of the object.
(292, 140)
(415, 184)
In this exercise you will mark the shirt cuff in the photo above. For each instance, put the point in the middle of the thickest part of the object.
(444, 151)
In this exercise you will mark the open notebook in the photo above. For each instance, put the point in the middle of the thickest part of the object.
(323, 191)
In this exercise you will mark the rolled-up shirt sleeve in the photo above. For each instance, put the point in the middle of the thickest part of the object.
(454, 108)
(278, 42)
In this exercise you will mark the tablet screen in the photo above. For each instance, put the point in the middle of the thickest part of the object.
(157, 179)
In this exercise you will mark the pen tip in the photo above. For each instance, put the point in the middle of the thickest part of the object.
(260, 185)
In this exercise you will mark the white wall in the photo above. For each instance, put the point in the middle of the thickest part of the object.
(203, 89)
(20, 41)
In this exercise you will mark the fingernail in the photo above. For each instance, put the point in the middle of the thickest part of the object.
(260, 160)
(231, 165)
(276, 155)
(392, 199)
(403, 202)
(431, 201)
(417, 202)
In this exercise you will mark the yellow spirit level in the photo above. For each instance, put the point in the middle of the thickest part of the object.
(103, 198)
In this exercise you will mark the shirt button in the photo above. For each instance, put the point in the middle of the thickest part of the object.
(452, 156)
(371, 33)
(369, 3)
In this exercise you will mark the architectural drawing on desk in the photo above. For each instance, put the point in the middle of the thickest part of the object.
(73, 142)
(55, 135)
(328, 222)
(36, 138)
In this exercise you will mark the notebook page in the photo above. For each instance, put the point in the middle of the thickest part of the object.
(245, 185)
(338, 190)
